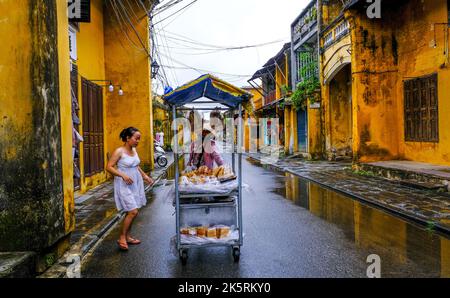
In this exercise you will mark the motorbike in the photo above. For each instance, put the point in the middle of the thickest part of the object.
(160, 157)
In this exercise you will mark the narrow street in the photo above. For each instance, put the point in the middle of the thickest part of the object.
(309, 232)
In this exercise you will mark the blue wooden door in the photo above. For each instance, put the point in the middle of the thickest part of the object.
(302, 130)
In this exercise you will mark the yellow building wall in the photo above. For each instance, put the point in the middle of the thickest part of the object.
(91, 66)
(66, 115)
(160, 114)
(250, 141)
(315, 135)
(129, 65)
(36, 211)
(336, 96)
(281, 77)
(13, 65)
(330, 11)
(417, 58)
(339, 112)
(384, 54)
(294, 131)
(287, 128)
(374, 90)
(257, 101)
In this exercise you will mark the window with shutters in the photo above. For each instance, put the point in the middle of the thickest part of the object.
(448, 12)
(92, 99)
(421, 109)
(75, 121)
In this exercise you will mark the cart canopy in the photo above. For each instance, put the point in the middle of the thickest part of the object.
(210, 87)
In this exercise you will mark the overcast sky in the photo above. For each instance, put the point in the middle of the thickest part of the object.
(223, 23)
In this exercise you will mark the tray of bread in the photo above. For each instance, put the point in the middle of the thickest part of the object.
(204, 174)
(220, 180)
(208, 234)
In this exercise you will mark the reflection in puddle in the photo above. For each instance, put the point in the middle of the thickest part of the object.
(401, 245)
(406, 250)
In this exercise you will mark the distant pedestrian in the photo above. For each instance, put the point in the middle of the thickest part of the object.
(206, 154)
(128, 182)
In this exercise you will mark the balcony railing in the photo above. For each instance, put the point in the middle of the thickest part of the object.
(306, 24)
(337, 32)
(270, 97)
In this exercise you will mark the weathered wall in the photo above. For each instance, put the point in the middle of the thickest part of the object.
(287, 129)
(129, 64)
(254, 104)
(294, 130)
(385, 53)
(339, 112)
(330, 11)
(417, 58)
(375, 82)
(315, 133)
(281, 76)
(31, 192)
(91, 66)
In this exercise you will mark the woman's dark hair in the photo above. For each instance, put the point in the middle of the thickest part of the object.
(127, 133)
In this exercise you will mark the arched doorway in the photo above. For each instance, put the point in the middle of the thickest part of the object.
(340, 109)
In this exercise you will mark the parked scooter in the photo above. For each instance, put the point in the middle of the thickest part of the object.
(160, 157)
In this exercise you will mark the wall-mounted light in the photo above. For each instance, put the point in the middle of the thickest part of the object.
(155, 68)
(120, 92)
(110, 86)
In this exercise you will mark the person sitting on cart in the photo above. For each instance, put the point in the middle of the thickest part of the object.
(205, 154)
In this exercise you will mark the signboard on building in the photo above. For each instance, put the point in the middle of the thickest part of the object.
(315, 105)
(79, 11)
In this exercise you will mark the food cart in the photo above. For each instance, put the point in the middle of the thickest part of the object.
(214, 207)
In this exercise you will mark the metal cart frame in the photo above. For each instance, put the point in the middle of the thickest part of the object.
(236, 204)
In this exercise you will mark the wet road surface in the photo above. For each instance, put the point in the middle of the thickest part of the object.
(292, 228)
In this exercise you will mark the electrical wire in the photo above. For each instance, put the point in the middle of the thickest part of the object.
(176, 17)
(165, 7)
(120, 22)
(159, 43)
(184, 7)
(134, 29)
(171, 58)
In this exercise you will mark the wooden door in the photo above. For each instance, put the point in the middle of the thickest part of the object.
(92, 128)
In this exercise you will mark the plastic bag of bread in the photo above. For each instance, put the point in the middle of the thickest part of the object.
(222, 231)
(211, 233)
(201, 231)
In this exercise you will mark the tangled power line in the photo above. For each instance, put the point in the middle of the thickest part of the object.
(164, 42)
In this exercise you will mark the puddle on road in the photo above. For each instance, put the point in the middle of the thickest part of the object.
(398, 242)
(406, 249)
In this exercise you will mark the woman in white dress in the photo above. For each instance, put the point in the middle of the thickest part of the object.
(128, 182)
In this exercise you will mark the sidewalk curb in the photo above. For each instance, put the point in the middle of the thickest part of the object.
(394, 211)
(60, 268)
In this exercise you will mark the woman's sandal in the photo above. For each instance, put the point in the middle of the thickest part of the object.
(122, 246)
(133, 241)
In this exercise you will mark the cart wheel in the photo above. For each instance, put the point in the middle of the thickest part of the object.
(236, 254)
(183, 257)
